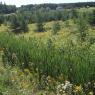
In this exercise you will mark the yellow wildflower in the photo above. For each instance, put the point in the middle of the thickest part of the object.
(91, 93)
(78, 88)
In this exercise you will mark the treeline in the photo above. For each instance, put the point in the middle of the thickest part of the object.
(57, 6)
(7, 9)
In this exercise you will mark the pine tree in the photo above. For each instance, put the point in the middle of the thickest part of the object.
(55, 28)
(39, 21)
(92, 18)
(18, 24)
(1, 19)
(82, 28)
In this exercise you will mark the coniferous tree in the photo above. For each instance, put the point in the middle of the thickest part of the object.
(1, 19)
(55, 28)
(82, 28)
(18, 24)
(92, 18)
(39, 21)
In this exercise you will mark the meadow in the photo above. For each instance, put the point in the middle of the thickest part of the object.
(37, 63)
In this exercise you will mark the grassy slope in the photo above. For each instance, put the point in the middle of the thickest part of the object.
(69, 32)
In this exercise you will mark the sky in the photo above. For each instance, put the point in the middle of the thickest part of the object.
(18, 3)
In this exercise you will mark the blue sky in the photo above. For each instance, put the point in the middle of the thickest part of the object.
(24, 2)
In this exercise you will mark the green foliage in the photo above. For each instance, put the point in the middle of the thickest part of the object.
(39, 20)
(43, 14)
(40, 27)
(74, 63)
(42, 62)
(7, 9)
(1, 19)
(48, 6)
(18, 24)
(56, 27)
(82, 27)
(74, 13)
(92, 18)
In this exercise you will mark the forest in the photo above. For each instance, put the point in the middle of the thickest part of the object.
(47, 49)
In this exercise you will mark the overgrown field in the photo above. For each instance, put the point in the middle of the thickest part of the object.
(42, 61)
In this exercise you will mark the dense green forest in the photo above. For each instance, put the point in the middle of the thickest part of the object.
(47, 49)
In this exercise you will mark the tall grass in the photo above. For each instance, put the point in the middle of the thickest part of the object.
(75, 62)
